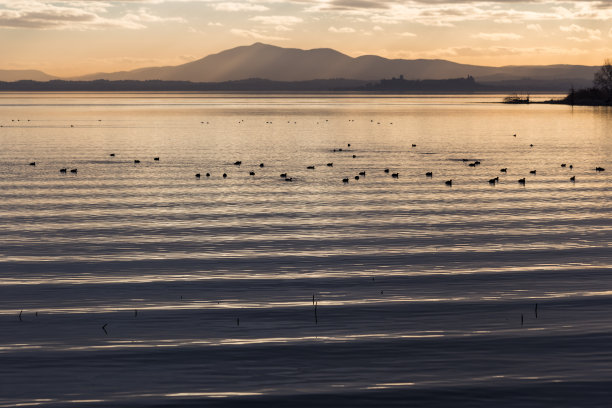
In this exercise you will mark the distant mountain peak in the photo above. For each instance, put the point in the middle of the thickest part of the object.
(271, 62)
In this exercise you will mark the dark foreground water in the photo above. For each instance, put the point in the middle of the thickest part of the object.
(137, 284)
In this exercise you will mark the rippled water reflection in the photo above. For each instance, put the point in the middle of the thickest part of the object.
(417, 285)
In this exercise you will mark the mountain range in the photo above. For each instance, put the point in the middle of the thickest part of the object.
(290, 64)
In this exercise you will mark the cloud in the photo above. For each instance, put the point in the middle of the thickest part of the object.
(589, 34)
(277, 20)
(214, 24)
(232, 6)
(341, 30)
(497, 36)
(256, 35)
(72, 16)
(610, 33)
(407, 34)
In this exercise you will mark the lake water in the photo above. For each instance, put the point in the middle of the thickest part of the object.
(137, 284)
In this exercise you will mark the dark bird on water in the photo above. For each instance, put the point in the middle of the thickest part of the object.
(251, 173)
(207, 174)
(522, 181)
(156, 158)
(283, 175)
(354, 156)
(289, 179)
(504, 170)
(429, 174)
(136, 161)
(573, 178)
(599, 169)
(197, 175)
(532, 172)
(238, 163)
(261, 165)
(330, 164)
(112, 155)
(563, 165)
(413, 145)
(395, 175)
(386, 170)
(310, 167)
(33, 164)
(449, 182)
(224, 175)
(345, 180)
(62, 170)
(362, 173)
(356, 177)
(74, 171)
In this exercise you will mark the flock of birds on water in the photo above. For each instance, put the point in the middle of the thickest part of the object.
(395, 175)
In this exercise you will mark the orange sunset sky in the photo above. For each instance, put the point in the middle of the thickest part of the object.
(73, 37)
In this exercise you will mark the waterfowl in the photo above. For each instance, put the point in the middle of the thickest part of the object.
(504, 170)
(330, 164)
(386, 170)
(136, 161)
(112, 155)
(395, 175)
(362, 173)
(197, 175)
(532, 172)
(472, 164)
(251, 173)
(356, 177)
(521, 181)
(354, 156)
(224, 175)
(284, 175)
(237, 163)
(563, 165)
(261, 165)
(62, 170)
(207, 174)
(413, 145)
(345, 180)
(573, 178)
(493, 181)
(73, 171)
(449, 182)
(289, 179)
(156, 158)
(310, 167)
(429, 174)
(571, 166)
(599, 169)
(33, 164)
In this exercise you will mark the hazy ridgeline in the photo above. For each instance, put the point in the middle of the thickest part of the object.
(138, 284)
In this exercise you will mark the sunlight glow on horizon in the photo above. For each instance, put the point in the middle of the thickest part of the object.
(69, 38)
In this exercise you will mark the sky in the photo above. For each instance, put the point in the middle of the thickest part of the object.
(75, 37)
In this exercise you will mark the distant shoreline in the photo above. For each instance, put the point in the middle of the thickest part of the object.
(256, 85)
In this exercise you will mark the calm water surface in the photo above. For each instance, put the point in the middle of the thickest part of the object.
(140, 285)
